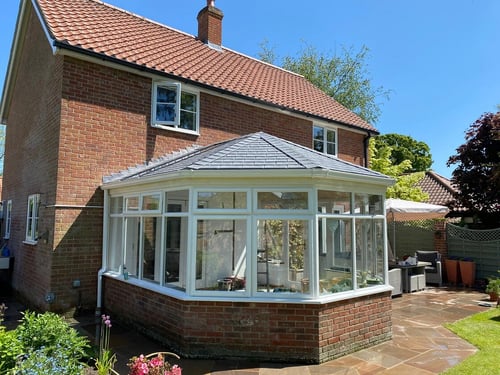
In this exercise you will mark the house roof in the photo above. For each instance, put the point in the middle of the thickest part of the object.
(104, 31)
(258, 151)
(439, 188)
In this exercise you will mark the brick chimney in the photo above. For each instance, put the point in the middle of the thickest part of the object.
(210, 24)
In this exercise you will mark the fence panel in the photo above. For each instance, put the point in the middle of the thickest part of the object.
(481, 245)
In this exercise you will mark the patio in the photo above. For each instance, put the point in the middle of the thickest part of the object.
(420, 345)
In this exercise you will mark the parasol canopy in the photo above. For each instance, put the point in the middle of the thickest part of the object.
(402, 210)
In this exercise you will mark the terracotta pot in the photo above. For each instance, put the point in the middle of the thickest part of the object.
(493, 297)
(452, 271)
(467, 272)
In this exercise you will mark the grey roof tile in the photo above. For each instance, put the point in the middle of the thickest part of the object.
(257, 151)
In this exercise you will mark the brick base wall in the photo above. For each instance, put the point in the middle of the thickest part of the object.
(285, 332)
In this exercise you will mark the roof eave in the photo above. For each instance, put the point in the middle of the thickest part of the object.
(382, 180)
(62, 45)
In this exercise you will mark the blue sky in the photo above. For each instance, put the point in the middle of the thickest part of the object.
(439, 58)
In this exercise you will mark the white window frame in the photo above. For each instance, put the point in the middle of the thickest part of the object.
(326, 129)
(174, 125)
(8, 218)
(32, 218)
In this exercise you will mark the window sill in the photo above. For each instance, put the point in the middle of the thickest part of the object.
(174, 129)
(30, 242)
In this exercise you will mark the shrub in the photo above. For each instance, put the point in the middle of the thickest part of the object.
(10, 349)
(51, 333)
(55, 361)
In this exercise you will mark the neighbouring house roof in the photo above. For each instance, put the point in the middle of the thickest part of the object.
(258, 151)
(439, 188)
(94, 28)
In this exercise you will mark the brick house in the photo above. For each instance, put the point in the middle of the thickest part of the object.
(166, 179)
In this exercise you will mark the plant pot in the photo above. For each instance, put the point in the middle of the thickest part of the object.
(452, 270)
(468, 273)
(493, 297)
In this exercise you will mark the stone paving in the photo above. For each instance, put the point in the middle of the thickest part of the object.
(420, 344)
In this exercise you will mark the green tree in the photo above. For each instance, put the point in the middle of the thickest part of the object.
(477, 174)
(344, 77)
(404, 148)
(405, 186)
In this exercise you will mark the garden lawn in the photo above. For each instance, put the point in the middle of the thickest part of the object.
(483, 331)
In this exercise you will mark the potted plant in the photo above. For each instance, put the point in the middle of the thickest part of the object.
(451, 264)
(493, 288)
(467, 268)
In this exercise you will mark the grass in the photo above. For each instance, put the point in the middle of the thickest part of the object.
(483, 331)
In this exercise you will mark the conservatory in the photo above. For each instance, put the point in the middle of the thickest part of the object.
(253, 221)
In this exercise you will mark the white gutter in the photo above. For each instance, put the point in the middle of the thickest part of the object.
(251, 173)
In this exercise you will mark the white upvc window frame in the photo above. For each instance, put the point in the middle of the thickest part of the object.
(174, 124)
(32, 219)
(326, 130)
(8, 218)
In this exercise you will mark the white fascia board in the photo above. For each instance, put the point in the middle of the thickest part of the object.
(253, 174)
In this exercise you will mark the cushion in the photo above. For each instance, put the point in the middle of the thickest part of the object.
(428, 256)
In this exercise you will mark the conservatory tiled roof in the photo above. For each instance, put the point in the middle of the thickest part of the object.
(104, 31)
(257, 151)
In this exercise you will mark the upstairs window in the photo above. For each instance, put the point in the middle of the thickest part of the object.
(325, 140)
(174, 108)
(32, 218)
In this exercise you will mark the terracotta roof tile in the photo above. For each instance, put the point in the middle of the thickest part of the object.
(439, 188)
(98, 27)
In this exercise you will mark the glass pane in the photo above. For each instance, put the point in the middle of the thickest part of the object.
(115, 251)
(151, 202)
(132, 236)
(318, 136)
(176, 250)
(151, 233)
(188, 102)
(334, 202)
(335, 256)
(330, 136)
(222, 200)
(188, 121)
(330, 149)
(368, 204)
(177, 201)
(165, 112)
(132, 204)
(221, 255)
(278, 200)
(116, 205)
(166, 95)
(369, 252)
(282, 256)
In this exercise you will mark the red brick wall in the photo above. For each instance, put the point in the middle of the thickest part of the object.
(32, 140)
(72, 122)
(268, 331)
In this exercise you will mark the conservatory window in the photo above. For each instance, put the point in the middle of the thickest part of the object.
(335, 260)
(222, 200)
(221, 255)
(368, 204)
(283, 256)
(282, 200)
(369, 252)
